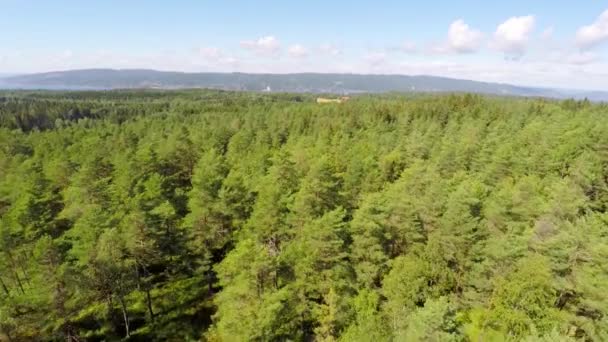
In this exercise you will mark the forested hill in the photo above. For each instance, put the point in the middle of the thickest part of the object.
(303, 82)
(222, 216)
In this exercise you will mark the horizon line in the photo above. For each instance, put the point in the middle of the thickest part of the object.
(8, 75)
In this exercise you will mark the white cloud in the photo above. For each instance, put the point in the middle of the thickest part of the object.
(581, 58)
(462, 38)
(67, 54)
(539, 74)
(407, 47)
(547, 33)
(579, 70)
(211, 53)
(214, 56)
(267, 45)
(330, 49)
(297, 51)
(376, 58)
(566, 55)
(512, 36)
(591, 35)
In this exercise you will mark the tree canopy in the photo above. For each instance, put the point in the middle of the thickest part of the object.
(192, 215)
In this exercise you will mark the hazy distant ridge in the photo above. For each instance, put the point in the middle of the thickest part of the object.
(300, 82)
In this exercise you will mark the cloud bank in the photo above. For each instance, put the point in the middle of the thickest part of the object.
(512, 51)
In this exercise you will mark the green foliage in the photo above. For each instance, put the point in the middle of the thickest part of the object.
(433, 322)
(224, 216)
(524, 299)
(368, 324)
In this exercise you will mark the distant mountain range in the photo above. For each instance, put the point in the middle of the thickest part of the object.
(101, 79)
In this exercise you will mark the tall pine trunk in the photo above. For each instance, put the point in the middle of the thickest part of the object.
(4, 287)
(149, 302)
(146, 288)
(125, 315)
(19, 282)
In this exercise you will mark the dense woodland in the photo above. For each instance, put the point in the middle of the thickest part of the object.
(222, 216)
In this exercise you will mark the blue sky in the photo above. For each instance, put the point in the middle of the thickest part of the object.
(543, 43)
